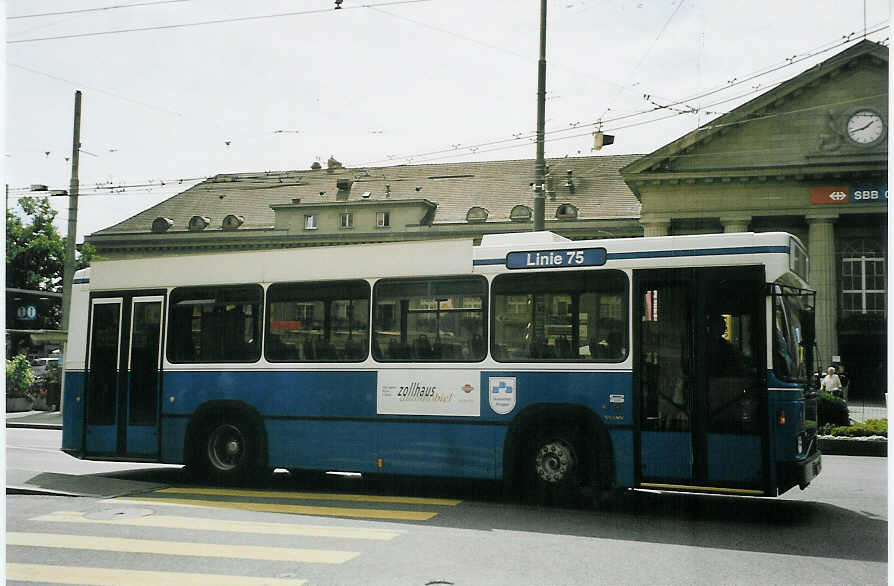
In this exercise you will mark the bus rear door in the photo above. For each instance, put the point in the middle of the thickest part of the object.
(699, 352)
(123, 375)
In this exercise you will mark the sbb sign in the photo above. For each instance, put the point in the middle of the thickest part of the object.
(846, 194)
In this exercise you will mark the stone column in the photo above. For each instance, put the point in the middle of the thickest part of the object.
(655, 228)
(822, 278)
(735, 223)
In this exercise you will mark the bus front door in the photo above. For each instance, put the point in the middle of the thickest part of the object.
(123, 376)
(698, 362)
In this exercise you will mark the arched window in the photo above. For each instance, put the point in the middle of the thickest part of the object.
(566, 211)
(520, 213)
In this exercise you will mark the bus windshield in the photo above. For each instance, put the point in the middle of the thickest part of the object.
(791, 349)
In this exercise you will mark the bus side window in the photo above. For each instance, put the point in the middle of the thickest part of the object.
(430, 320)
(576, 316)
(318, 322)
(215, 324)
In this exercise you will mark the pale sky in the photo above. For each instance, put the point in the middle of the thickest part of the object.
(376, 83)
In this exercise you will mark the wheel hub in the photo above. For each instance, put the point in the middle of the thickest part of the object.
(225, 447)
(554, 461)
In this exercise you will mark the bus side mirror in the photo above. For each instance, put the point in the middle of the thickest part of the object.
(808, 329)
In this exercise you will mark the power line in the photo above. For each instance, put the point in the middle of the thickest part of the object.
(211, 22)
(475, 148)
(100, 9)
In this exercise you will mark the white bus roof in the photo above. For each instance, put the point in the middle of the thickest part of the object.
(438, 257)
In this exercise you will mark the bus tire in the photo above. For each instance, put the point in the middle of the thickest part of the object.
(227, 450)
(554, 467)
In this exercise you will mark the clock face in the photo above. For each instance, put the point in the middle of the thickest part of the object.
(865, 127)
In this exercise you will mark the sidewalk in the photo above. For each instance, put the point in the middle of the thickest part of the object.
(35, 419)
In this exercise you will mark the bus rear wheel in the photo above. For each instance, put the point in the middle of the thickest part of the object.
(555, 462)
(227, 451)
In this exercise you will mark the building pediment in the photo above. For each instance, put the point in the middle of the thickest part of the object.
(831, 119)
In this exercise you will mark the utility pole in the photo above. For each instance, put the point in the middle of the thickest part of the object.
(540, 163)
(68, 270)
(68, 267)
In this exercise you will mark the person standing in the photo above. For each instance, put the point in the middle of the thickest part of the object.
(831, 383)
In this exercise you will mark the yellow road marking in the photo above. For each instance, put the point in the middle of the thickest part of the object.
(686, 487)
(294, 509)
(202, 524)
(317, 496)
(114, 577)
(180, 548)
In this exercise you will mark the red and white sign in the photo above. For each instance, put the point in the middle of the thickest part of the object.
(836, 195)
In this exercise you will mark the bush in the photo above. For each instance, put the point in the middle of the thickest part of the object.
(871, 427)
(832, 410)
(19, 377)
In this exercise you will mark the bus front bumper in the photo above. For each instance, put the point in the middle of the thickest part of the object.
(799, 473)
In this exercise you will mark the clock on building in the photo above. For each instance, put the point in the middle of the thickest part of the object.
(865, 127)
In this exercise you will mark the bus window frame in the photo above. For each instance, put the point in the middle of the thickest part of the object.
(375, 351)
(172, 306)
(545, 275)
(310, 286)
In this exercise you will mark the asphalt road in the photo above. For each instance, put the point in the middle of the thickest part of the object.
(351, 530)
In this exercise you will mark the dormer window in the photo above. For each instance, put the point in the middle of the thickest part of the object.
(520, 213)
(476, 214)
(566, 211)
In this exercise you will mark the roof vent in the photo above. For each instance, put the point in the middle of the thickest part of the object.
(477, 214)
(520, 213)
(566, 211)
(232, 222)
(366, 194)
(296, 200)
(316, 165)
(161, 224)
(198, 223)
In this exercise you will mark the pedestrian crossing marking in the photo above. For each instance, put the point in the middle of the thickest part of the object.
(388, 514)
(179, 548)
(204, 524)
(280, 494)
(115, 577)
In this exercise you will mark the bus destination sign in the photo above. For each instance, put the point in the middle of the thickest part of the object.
(554, 259)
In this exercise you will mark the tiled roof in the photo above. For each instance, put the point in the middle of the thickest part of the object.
(498, 186)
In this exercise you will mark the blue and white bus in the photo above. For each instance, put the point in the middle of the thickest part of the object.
(669, 363)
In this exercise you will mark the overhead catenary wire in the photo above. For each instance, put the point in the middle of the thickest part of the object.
(212, 22)
(118, 188)
(734, 83)
(98, 9)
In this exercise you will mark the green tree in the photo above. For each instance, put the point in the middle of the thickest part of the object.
(35, 251)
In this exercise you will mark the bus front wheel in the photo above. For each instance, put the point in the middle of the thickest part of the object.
(227, 451)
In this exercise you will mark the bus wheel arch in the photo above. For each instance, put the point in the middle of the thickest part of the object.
(545, 441)
(226, 441)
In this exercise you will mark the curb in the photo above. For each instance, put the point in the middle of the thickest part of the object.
(26, 425)
(849, 447)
